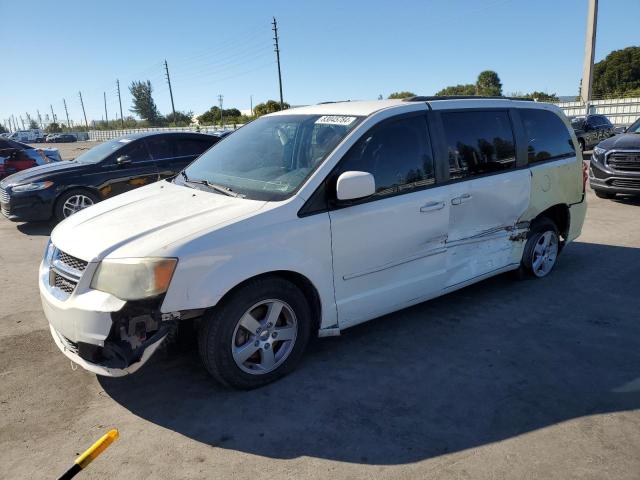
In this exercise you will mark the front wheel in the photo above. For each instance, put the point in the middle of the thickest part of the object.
(256, 335)
(73, 201)
(541, 250)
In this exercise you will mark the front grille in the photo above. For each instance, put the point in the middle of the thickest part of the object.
(71, 261)
(64, 284)
(626, 182)
(625, 161)
(4, 196)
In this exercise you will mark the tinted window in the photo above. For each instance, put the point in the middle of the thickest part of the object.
(192, 146)
(398, 155)
(136, 151)
(602, 120)
(160, 147)
(547, 136)
(478, 142)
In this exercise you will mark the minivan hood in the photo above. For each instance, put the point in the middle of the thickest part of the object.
(42, 172)
(146, 221)
(624, 141)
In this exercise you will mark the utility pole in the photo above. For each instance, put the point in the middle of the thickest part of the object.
(120, 102)
(277, 50)
(173, 108)
(589, 53)
(22, 121)
(67, 113)
(40, 119)
(220, 97)
(28, 119)
(83, 112)
(53, 115)
(251, 103)
(106, 117)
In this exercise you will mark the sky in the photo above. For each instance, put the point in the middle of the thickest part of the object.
(330, 49)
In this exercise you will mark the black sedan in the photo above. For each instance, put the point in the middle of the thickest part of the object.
(591, 130)
(60, 189)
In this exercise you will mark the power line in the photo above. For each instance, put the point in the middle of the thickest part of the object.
(277, 50)
(173, 108)
(120, 102)
(83, 110)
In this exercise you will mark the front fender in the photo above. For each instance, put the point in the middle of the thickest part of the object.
(210, 266)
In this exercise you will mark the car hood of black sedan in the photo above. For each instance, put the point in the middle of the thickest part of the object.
(624, 141)
(43, 172)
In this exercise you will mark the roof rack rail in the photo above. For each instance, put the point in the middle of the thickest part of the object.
(461, 97)
(333, 101)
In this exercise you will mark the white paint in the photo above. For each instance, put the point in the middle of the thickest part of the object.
(364, 260)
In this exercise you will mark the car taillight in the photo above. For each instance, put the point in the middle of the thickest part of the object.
(585, 175)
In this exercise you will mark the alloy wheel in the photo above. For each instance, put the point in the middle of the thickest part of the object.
(264, 337)
(545, 253)
(75, 203)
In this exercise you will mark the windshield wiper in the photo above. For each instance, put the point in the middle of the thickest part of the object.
(213, 186)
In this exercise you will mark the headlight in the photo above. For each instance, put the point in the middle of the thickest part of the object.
(598, 154)
(134, 278)
(30, 187)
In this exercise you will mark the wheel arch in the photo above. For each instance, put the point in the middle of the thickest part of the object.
(307, 287)
(558, 214)
(69, 188)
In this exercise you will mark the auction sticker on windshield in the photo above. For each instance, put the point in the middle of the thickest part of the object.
(335, 120)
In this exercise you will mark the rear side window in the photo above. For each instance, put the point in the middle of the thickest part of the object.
(160, 147)
(397, 154)
(478, 142)
(193, 146)
(547, 136)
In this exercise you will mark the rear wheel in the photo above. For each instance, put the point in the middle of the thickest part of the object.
(73, 201)
(257, 335)
(603, 194)
(541, 250)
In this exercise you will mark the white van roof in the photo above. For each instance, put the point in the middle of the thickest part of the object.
(365, 108)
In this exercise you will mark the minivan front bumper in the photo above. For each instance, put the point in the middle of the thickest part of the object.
(82, 325)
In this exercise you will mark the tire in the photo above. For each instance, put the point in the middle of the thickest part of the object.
(224, 340)
(603, 194)
(65, 204)
(542, 230)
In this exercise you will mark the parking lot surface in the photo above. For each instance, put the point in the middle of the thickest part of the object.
(503, 379)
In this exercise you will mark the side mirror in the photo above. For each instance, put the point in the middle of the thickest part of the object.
(354, 185)
(123, 160)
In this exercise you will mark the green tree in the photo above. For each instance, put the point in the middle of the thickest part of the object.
(618, 74)
(33, 124)
(542, 96)
(466, 89)
(269, 106)
(3, 129)
(53, 127)
(181, 119)
(488, 84)
(143, 103)
(399, 95)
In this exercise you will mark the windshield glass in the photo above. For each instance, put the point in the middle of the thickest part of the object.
(271, 157)
(634, 127)
(102, 151)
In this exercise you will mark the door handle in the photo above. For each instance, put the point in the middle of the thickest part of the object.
(461, 199)
(432, 207)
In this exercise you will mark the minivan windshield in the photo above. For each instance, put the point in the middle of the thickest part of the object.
(577, 122)
(269, 158)
(634, 127)
(102, 151)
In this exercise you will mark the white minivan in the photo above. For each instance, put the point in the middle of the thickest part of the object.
(309, 221)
